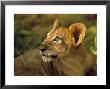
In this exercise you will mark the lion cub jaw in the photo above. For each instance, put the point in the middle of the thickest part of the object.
(46, 59)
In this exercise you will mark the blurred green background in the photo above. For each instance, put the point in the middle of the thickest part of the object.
(31, 29)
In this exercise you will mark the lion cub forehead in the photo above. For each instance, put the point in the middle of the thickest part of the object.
(61, 32)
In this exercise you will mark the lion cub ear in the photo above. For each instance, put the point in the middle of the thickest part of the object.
(78, 31)
(56, 24)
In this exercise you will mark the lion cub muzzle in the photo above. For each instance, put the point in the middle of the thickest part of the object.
(47, 55)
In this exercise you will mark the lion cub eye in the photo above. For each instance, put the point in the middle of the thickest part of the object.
(57, 40)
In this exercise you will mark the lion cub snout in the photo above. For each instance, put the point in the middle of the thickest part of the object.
(43, 48)
(46, 53)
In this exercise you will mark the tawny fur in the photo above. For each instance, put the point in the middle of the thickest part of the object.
(73, 59)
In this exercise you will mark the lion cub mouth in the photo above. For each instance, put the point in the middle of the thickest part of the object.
(48, 56)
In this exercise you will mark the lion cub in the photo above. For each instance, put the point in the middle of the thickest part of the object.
(63, 52)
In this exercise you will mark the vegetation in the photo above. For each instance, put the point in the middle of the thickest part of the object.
(31, 29)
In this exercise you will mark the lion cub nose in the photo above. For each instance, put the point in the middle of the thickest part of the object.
(42, 48)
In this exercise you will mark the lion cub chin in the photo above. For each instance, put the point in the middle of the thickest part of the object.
(46, 59)
(66, 45)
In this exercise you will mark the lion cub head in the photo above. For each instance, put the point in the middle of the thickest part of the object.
(60, 40)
